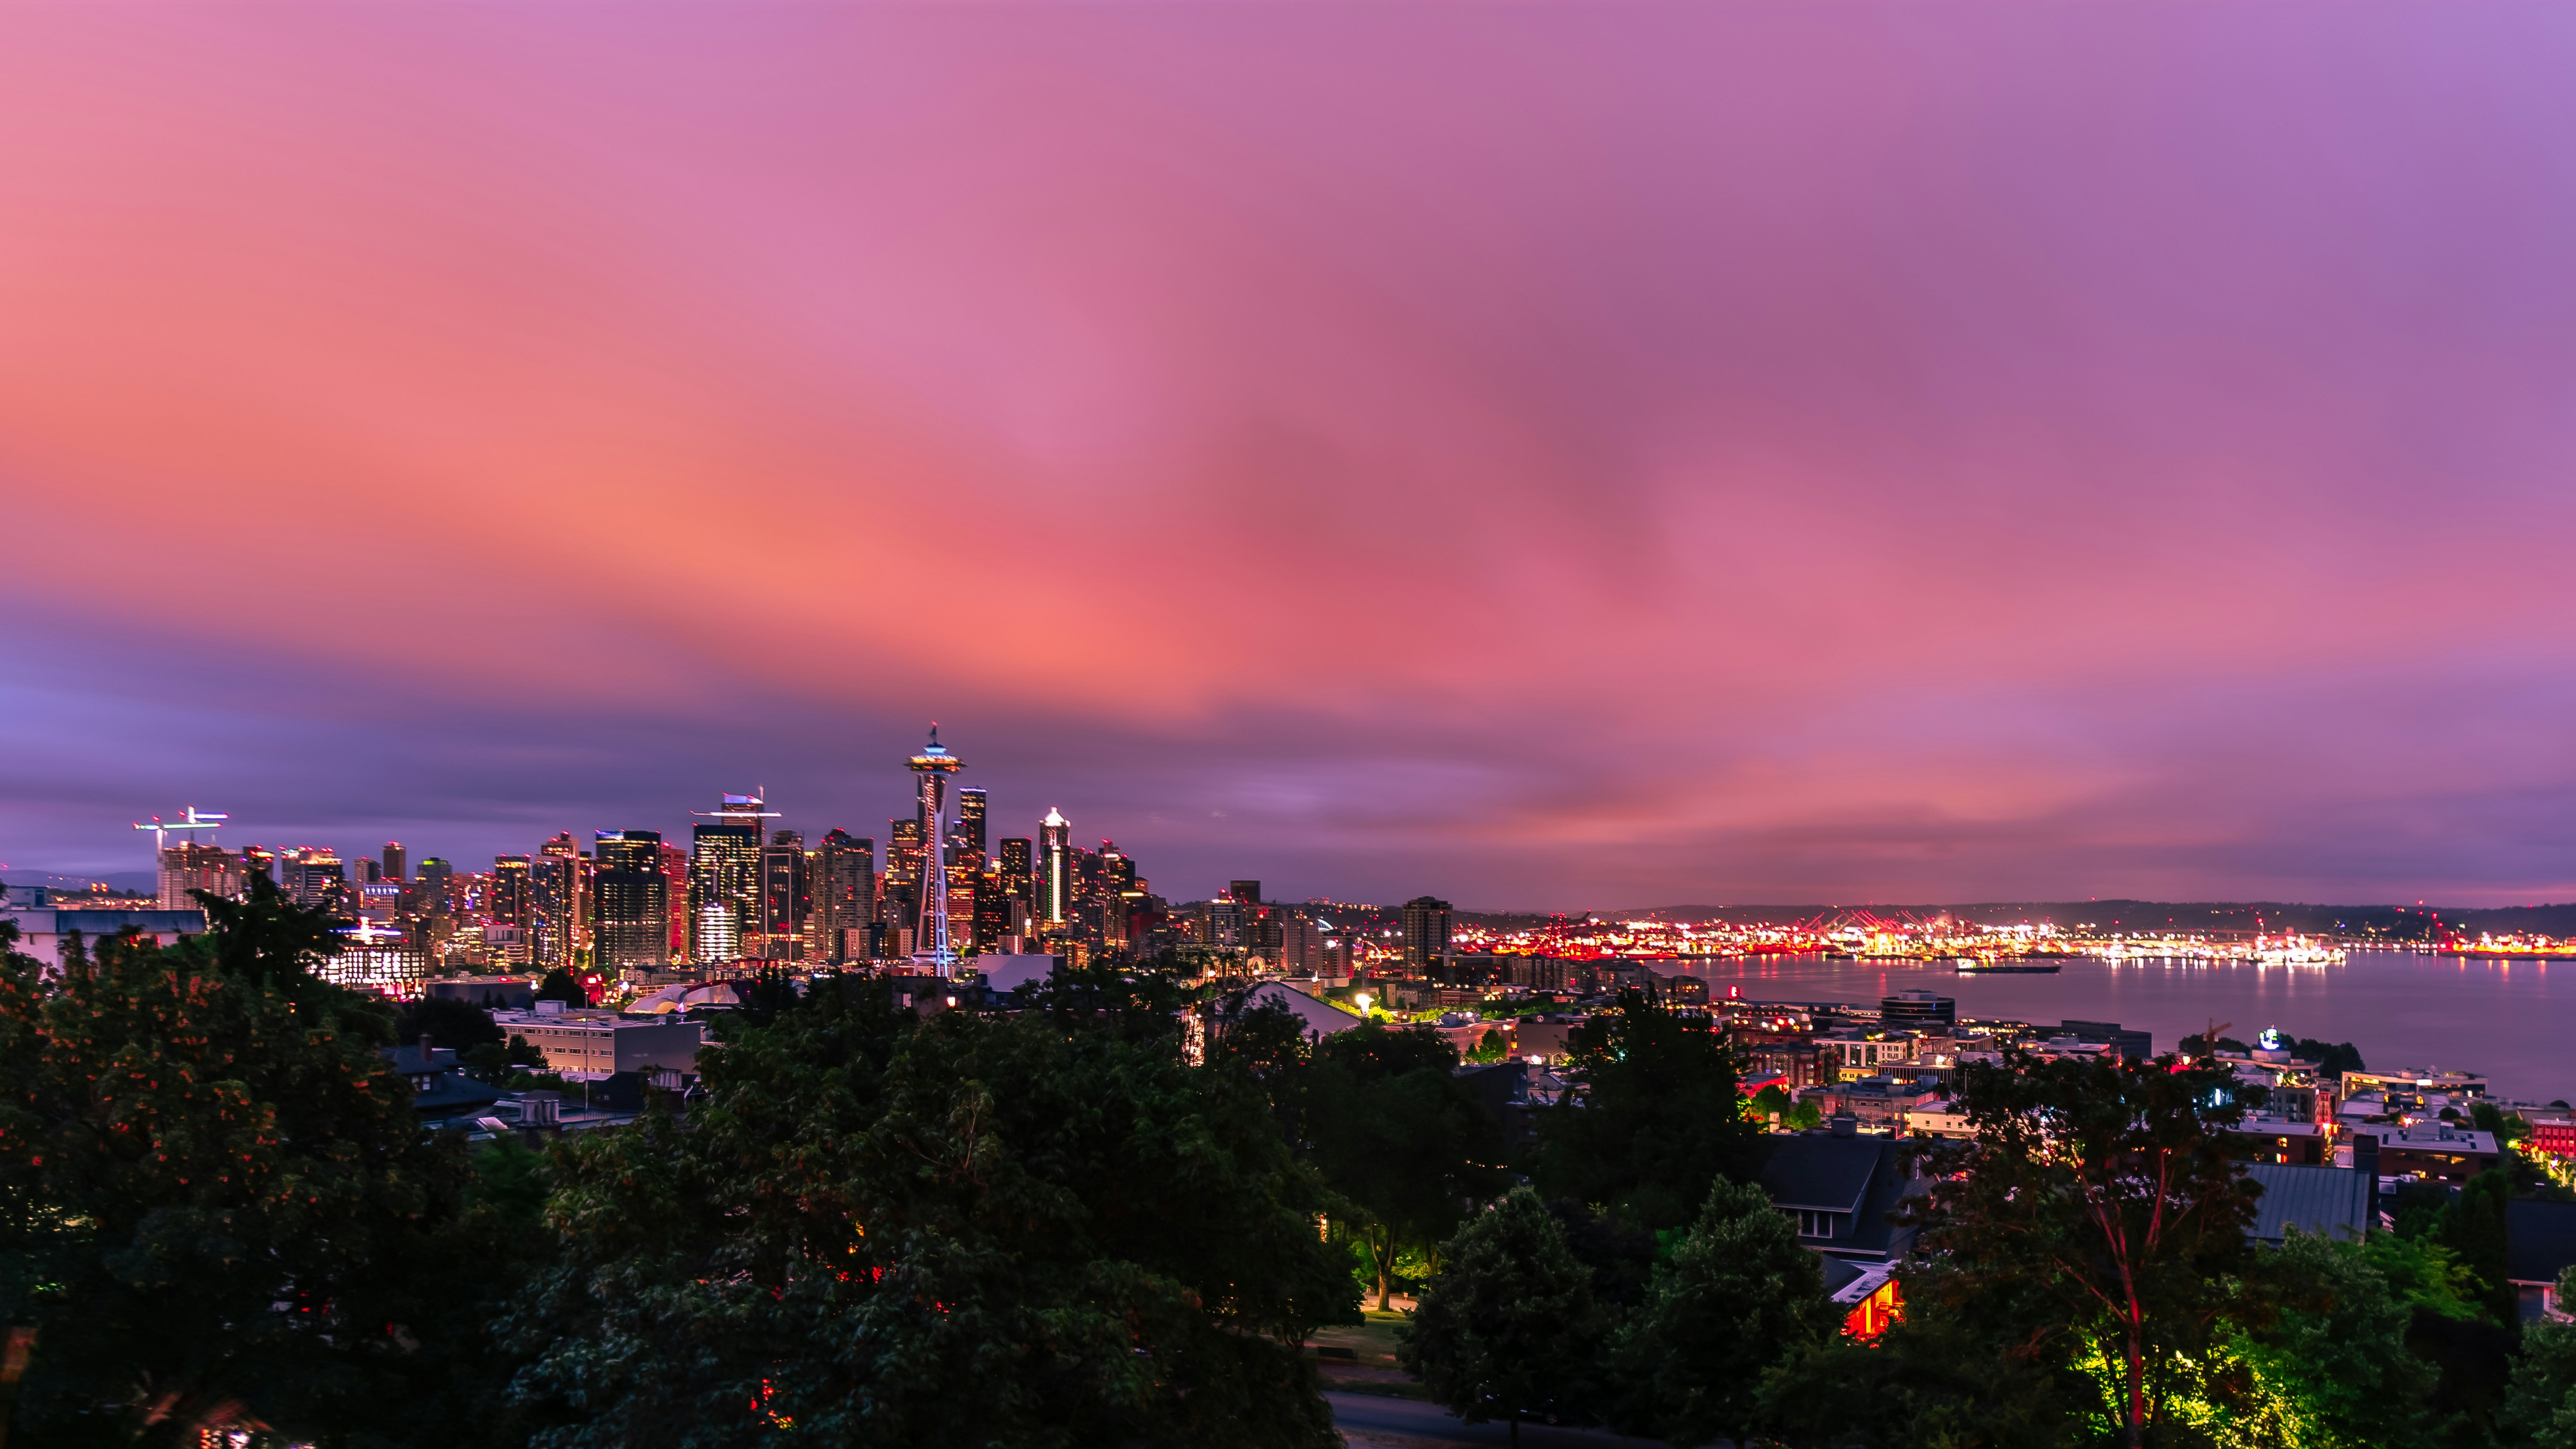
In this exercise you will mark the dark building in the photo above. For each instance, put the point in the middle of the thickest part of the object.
(1426, 937)
(2136, 1046)
(970, 833)
(784, 897)
(1017, 879)
(436, 871)
(508, 904)
(1838, 1188)
(724, 870)
(1247, 892)
(396, 862)
(439, 1087)
(844, 885)
(1918, 1010)
(631, 895)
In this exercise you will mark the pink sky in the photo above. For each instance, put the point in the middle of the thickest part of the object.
(1565, 456)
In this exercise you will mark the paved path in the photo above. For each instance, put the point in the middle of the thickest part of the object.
(1403, 1423)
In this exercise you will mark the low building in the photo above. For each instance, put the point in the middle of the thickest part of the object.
(1937, 1119)
(1321, 1018)
(2327, 1202)
(1838, 1188)
(2264, 1138)
(439, 1087)
(2432, 1151)
(495, 993)
(1793, 1059)
(592, 1043)
(1874, 1101)
(1855, 1052)
(42, 929)
(2539, 1245)
(2415, 1083)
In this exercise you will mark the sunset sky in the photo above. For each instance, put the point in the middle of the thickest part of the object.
(1557, 456)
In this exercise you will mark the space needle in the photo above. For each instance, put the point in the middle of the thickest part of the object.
(934, 765)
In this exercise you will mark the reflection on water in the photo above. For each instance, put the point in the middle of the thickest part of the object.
(2504, 1018)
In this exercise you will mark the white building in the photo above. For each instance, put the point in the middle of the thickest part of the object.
(588, 1043)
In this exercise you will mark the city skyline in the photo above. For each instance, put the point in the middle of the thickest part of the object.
(1540, 458)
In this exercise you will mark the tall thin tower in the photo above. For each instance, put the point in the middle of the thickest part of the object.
(934, 765)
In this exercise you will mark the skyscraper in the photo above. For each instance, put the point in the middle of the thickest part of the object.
(314, 878)
(970, 832)
(843, 879)
(632, 920)
(724, 869)
(396, 861)
(932, 767)
(783, 897)
(190, 867)
(559, 901)
(511, 895)
(1055, 868)
(1426, 937)
(1016, 878)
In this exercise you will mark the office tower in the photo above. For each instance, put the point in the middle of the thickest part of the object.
(314, 878)
(931, 768)
(724, 869)
(631, 901)
(675, 869)
(189, 867)
(1301, 945)
(1055, 869)
(396, 861)
(363, 870)
(1117, 870)
(843, 880)
(559, 890)
(1426, 937)
(903, 856)
(1221, 923)
(257, 860)
(970, 833)
(1013, 870)
(1246, 891)
(783, 897)
(508, 903)
(717, 935)
(995, 907)
(437, 872)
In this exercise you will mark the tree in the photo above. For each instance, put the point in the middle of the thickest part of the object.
(559, 985)
(2100, 1198)
(879, 1231)
(2328, 1351)
(1506, 1328)
(455, 1025)
(1942, 1381)
(1738, 1296)
(1657, 1119)
(2540, 1403)
(1402, 1142)
(215, 1199)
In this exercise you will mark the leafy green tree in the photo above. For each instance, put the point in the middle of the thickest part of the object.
(1404, 1145)
(1656, 1121)
(1953, 1380)
(2540, 1403)
(1507, 1328)
(215, 1197)
(2099, 1198)
(454, 1025)
(2472, 1227)
(2328, 1351)
(1738, 1296)
(1047, 1230)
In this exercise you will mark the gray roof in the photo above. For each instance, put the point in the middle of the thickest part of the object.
(1821, 1173)
(2330, 1202)
(2540, 1239)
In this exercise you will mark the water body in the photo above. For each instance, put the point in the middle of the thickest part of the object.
(2513, 1020)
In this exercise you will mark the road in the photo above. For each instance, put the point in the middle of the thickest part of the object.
(1407, 1422)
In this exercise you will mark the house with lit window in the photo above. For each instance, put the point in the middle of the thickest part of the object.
(1838, 1187)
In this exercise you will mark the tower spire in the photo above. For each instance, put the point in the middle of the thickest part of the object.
(933, 766)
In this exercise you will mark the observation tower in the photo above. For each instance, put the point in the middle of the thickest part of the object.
(934, 765)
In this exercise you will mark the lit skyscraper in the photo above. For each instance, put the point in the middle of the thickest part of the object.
(970, 832)
(1017, 879)
(632, 895)
(397, 863)
(932, 767)
(1055, 867)
(559, 901)
(843, 875)
(724, 869)
(1426, 936)
(783, 896)
(508, 905)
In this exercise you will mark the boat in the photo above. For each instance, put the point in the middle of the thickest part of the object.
(2008, 968)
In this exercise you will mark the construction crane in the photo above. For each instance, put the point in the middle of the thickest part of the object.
(196, 820)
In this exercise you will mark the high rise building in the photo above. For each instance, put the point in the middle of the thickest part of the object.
(396, 861)
(724, 869)
(784, 897)
(257, 860)
(1246, 891)
(1055, 869)
(675, 869)
(631, 895)
(1013, 869)
(559, 902)
(971, 855)
(903, 856)
(510, 898)
(932, 767)
(1301, 945)
(1426, 937)
(314, 878)
(436, 870)
(190, 867)
(843, 879)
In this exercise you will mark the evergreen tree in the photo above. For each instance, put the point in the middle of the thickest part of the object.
(1507, 1327)
(1403, 1143)
(1656, 1121)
